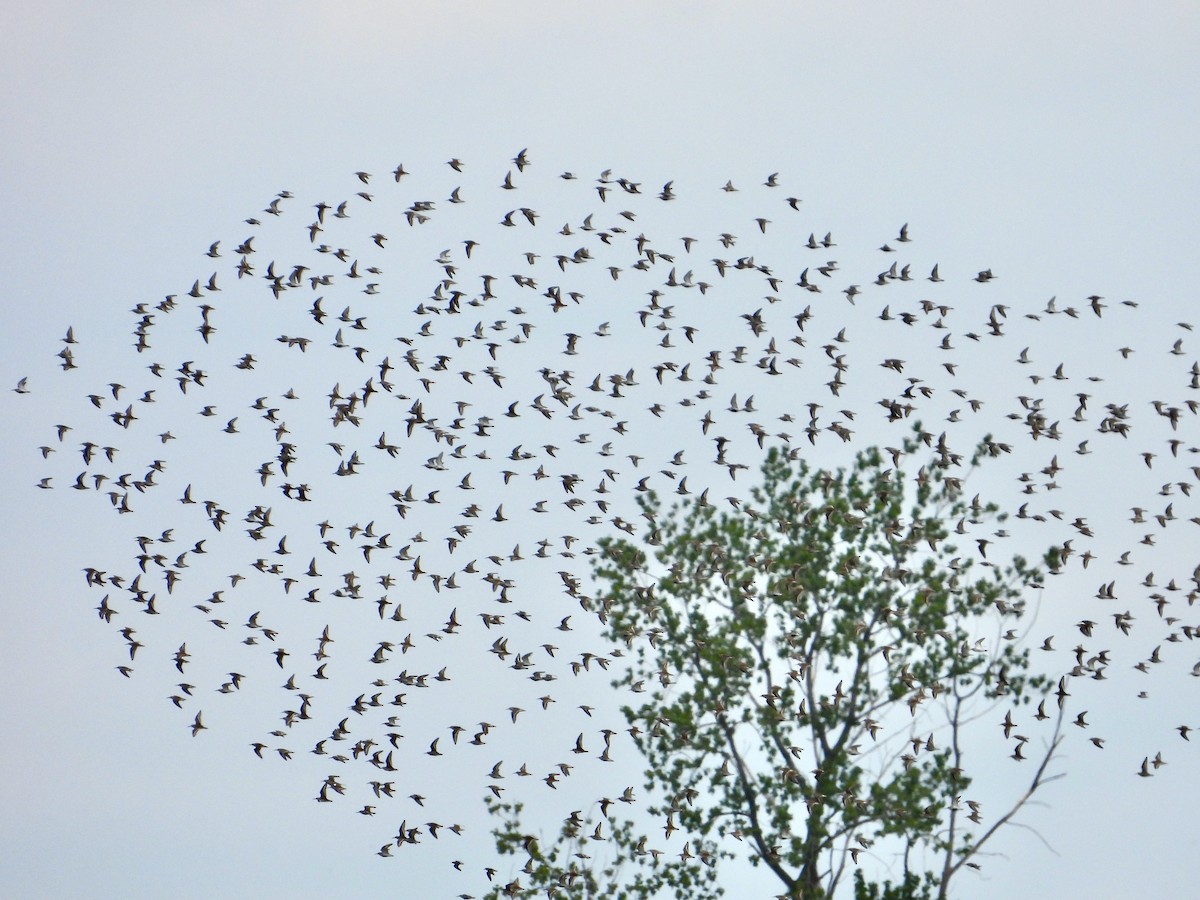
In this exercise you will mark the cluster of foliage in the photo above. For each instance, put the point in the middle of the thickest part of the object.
(806, 664)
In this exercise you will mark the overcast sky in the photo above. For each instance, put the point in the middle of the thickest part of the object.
(1055, 146)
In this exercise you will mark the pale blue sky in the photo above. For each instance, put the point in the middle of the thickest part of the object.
(1053, 145)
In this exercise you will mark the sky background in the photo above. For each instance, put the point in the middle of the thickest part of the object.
(1056, 146)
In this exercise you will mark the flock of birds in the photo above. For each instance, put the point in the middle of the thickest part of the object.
(362, 461)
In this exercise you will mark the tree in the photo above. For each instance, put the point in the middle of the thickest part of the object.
(806, 667)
